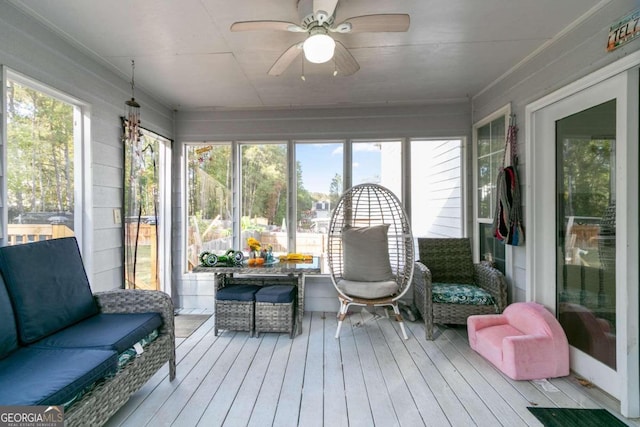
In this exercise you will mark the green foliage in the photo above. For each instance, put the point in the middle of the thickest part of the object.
(263, 178)
(210, 181)
(305, 199)
(264, 172)
(586, 176)
(40, 147)
(141, 176)
(335, 190)
(249, 224)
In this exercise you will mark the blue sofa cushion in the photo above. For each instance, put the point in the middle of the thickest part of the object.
(276, 294)
(8, 333)
(107, 331)
(48, 376)
(237, 293)
(48, 286)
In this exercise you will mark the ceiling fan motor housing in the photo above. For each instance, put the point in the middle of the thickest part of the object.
(309, 19)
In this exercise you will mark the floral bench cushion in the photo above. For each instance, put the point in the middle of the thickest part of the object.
(454, 293)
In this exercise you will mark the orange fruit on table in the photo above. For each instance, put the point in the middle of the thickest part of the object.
(259, 261)
(252, 261)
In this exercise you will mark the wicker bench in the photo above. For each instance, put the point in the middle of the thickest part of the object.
(275, 309)
(234, 308)
(97, 406)
(61, 345)
(252, 304)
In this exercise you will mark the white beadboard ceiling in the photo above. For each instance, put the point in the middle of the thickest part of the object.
(187, 58)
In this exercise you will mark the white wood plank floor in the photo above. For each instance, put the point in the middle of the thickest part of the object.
(370, 376)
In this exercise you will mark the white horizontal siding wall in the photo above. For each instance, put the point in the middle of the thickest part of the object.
(31, 49)
(577, 53)
(445, 189)
(437, 192)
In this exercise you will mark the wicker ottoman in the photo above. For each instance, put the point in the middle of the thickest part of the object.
(234, 308)
(275, 309)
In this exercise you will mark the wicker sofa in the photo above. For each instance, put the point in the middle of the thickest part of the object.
(62, 345)
(446, 264)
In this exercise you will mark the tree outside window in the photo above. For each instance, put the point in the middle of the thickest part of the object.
(40, 165)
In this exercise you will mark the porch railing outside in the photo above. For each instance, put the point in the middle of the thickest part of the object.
(25, 233)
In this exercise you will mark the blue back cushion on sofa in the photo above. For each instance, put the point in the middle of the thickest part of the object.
(8, 333)
(48, 285)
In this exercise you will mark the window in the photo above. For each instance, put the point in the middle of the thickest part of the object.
(209, 202)
(319, 166)
(282, 192)
(263, 195)
(378, 162)
(489, 137)
(43, 158)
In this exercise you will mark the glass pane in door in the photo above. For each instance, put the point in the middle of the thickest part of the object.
(586, 200)
(142, 171)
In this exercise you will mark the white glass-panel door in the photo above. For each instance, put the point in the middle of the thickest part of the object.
(146, 216)
(583, 261)
(586, 224)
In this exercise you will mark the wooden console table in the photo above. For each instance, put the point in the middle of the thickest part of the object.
(260, 275)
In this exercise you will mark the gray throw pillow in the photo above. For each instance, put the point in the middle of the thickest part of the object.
(366, 254)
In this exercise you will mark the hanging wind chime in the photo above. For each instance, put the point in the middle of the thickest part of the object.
(132, 115)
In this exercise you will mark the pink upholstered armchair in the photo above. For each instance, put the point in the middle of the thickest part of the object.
(525, 342)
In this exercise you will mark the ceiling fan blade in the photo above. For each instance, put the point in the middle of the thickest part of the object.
(323, 9)
(383, 23)
(285, 60)
(266, 26)
(346, 64)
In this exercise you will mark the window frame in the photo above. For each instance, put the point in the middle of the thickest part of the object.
(82, 154)
(236, 168)
(399, 184)
(503, 112)
(292, 165)
(404, 193)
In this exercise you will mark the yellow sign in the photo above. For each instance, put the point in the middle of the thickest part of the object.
(204, 149)
(624, 30)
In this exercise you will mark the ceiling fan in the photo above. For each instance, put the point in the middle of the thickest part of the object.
(318, 21)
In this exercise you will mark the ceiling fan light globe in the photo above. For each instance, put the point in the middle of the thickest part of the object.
(319, 48)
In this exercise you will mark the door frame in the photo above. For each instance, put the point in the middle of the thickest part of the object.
(540, 214)
(165, 260)
(164, 165)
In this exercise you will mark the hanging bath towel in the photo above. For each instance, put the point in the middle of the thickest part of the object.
(507, 220)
